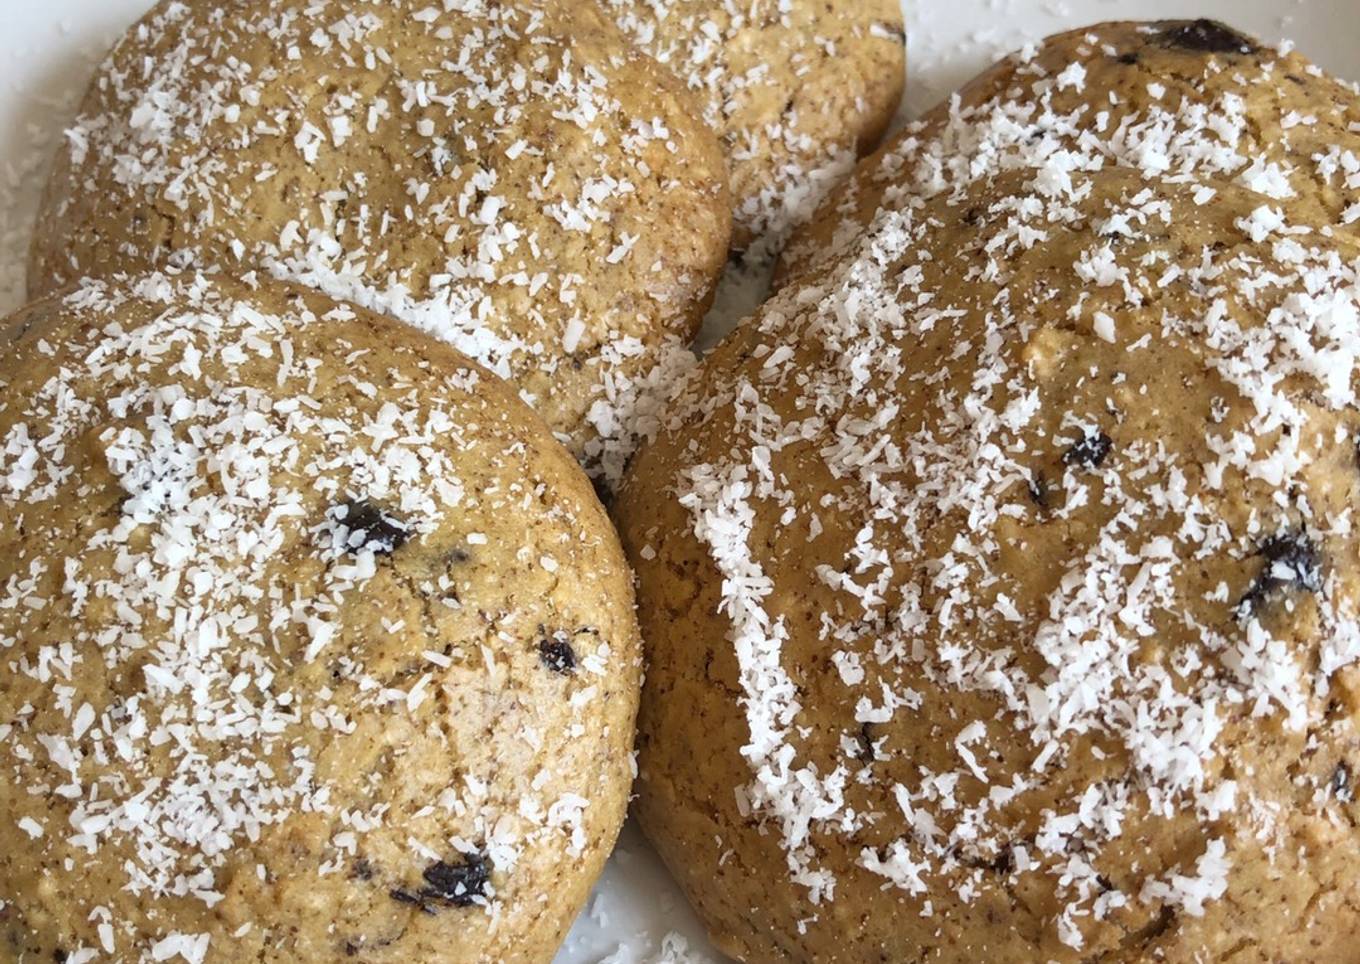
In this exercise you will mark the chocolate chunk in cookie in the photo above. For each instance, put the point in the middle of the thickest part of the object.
(1090, 452)
(459, 882)
(1208, 36)
(1038, 490)
(557, 654)
(1292, 563)
(1341, 783)
(365, 526)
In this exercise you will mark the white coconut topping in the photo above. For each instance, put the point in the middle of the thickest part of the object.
(1272, 314)
(215, 576)
(785, 163)
(416, 196)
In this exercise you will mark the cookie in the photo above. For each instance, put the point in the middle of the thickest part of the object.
(797, 89)
(316, 645)
(1150, 92)
(512, 177)
(1006, 573)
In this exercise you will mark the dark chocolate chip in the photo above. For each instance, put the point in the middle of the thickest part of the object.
(1341, 783)
(1003, 863)
(355, 945)
(867, 753)
(406, 897)
(370, 527)
(1298, 556)
(1166, 919)
(556, 653)
(1129, 59)
(1292, 563)
(1090, 451)
(460, 883)
(362, 869)
(1208, 36)
(1038, 490)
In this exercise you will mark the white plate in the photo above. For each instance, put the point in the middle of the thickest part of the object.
(47, 50)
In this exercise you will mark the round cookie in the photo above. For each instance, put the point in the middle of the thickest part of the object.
(512, 177)
(1006, 572)
(1149, 91)
(315, 645)
(797, 89)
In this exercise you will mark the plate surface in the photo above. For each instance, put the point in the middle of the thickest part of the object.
(47, 52)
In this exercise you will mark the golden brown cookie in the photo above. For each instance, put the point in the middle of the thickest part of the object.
(798, 89)
(315, 645)
(1007, 576)
(1147, 91)
(508, 175)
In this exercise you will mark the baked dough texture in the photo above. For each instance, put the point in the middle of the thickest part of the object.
(1000, 579)
(314, 644)
(1267, 119)
(798, 90)
(511, 176)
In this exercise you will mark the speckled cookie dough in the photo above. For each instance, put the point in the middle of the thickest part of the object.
(1006, 573)
(798, 89)
(1266, 118)
(314, 644)
(510, 176)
